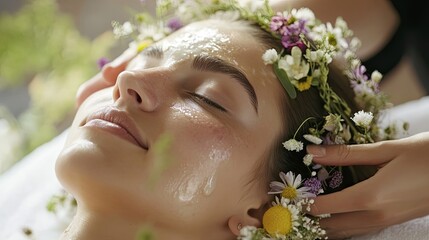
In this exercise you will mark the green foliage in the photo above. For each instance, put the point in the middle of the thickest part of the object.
(164, 159)
(146, 234)
(41, 47)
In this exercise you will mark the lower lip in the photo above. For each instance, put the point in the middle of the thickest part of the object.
(112, 128)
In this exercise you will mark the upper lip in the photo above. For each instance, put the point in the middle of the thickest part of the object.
(121, 118)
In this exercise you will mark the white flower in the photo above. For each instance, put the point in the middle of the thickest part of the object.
(122, 30)
(305, 14)
(308, 159)
(349, 54)
(127, 28)
(270, 56)
(334, 38)
(290, 188)
(295, 67)
(355, 43)
(326, 215)
(339, 140)
(313, 139)
(341, 23)
(315, 56)
(247, 232)
(154, 32)
(333, 123)
(346, 134)
(376, 76)
(355, 63)
(316, 73)
(293, 145)
(363, 119)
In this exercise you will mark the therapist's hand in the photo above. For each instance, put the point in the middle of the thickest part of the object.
(107, 77)
(396, 193)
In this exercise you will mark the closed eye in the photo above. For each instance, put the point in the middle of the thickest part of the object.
(207, 101)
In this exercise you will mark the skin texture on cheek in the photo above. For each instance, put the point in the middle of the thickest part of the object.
(208, 142)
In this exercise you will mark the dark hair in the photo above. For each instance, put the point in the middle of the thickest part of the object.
(295, 111)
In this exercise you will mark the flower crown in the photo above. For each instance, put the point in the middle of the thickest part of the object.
(308, 47)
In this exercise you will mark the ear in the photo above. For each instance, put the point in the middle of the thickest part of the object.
(111, 70)
(252, 217)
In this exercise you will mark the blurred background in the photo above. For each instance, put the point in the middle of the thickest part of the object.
(47, 49)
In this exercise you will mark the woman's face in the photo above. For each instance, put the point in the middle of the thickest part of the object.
(178, 139)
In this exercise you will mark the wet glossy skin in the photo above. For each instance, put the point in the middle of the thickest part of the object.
(216, 144)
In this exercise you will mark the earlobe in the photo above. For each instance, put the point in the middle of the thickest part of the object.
(235, 223)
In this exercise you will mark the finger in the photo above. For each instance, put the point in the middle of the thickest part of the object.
(346, 234)
(113, 69)
(107, 77)
(89, 87)
(360, 154)
(352, 199)
(353, 221)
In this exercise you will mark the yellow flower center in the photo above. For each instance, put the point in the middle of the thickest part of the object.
(304, 83)
(289, 193)
(143, 45)
(277, 220)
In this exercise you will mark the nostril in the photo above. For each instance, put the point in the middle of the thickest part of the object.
(134, 94)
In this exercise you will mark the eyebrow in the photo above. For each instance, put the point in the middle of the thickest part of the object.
(214, 64)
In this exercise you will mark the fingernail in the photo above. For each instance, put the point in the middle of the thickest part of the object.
(316, 150)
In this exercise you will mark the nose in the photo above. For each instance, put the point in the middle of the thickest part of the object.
(143, 89)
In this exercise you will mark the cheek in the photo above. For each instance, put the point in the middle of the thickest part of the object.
(205, 145)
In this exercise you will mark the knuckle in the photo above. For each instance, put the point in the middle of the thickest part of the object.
(370, 201)
(343, 151)
(383, 218)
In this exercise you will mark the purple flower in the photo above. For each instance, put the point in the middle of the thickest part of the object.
(313, 184)
(336, 179)
(102, 61)
(359, 73)
(174, 23)
(277, 22)
(290, 41)
(291, 35)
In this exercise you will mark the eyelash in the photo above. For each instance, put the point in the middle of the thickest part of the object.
(207, 101)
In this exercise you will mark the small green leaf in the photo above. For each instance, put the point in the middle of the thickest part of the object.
(284, 80)
(315, 83)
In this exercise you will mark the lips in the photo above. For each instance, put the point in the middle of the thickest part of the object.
(118, 123)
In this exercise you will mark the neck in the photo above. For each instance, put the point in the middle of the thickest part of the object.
(89, 225)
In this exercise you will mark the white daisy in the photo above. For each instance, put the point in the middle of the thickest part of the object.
(290, 187)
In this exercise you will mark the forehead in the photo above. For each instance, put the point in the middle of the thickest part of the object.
(234, 42)
(212, 37)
